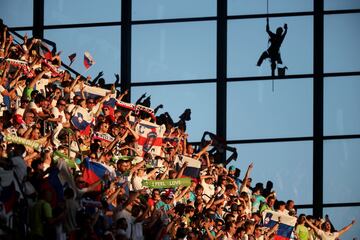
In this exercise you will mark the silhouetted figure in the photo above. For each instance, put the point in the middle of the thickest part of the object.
(140, 100)
(99, 81)
(166, 119)
(219, 148)
(184, 117)
(273, 52)
(158, 108)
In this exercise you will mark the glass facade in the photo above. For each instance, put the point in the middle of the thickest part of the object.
(247, 39)
(173, 51)
(167, 9)
(200, 98)
(341, 43)
(342, 105)
(255, 111)
(103, 43)
(81, 11)
(16, 13)
(287, 165)
(177, 43)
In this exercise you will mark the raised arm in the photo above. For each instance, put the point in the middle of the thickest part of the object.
(122, 95)
(202, 151)
(347, 228)
(137, 167)
(36, 79)
(248, 171)
(311, 225)
(267, 26)
(182, 169)
(285, 32)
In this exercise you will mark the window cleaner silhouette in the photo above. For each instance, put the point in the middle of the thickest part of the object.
(273, 51)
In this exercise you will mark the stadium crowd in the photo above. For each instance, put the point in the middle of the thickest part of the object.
(77, 162)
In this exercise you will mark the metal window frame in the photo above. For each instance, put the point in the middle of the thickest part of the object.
(221, 80)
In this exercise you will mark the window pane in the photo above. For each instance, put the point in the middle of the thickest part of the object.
(247, 39)
(22, 33)
(255, 111)
(288, 165)
(341, 42)
(200, 98)
(341, 217)
(17, 13)
(341, 171)
(178, 51)
(164, 9)
(241, 7)
(306, 211)
(81, 11)
(341, 4)
(103, 43)
(342, 105)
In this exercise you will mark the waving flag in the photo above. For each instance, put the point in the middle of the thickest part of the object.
(59, 178)
(94, 171)
(88, 60)
(193, 166)
(81, 119)
(72, 58)
(286, 224)
(44, 50)
(150, 137)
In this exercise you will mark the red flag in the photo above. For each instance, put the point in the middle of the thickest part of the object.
(44, 51)
(72, 58)
(88, 60)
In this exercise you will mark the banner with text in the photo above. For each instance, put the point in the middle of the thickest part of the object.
(167, 183)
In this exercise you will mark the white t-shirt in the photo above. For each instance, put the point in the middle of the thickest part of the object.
(129, 219)
(32, 105)
(55, 111)
(327, 236)
(137, 182)
(41, 84)
(209, 190)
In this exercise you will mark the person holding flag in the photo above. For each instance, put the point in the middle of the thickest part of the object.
(88, 60)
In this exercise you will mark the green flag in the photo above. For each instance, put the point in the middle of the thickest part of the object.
(70, 162)
(27, 142)
(167, 183)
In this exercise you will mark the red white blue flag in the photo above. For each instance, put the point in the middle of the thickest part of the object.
(193, 166)
(44, 51)
(72, 58)
(286, 224)
(94, 171)
(88, 60)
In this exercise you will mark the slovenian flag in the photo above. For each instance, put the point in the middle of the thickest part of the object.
(81, 120)
(286, 226)
(94, 171)
(72, 58)
(44, 51)
(59, 178)
(88, 60)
